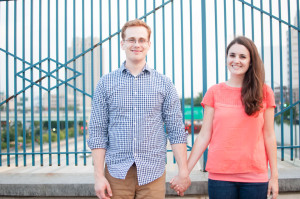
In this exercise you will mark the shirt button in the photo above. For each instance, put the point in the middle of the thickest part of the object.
(135, 93)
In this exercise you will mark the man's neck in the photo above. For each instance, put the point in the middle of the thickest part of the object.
(135, 68)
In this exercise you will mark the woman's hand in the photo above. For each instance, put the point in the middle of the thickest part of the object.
(273, 188)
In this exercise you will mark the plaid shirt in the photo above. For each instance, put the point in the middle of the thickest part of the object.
(127, 119)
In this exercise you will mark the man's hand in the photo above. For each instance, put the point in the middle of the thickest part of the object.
(102, 188)
(180, 183)
(273, 188)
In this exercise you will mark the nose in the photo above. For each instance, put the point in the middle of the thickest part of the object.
(236, 59)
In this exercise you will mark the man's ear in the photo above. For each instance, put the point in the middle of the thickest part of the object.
(122, 44)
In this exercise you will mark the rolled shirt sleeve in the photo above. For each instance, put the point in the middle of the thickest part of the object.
(172, 116)
(98, 125)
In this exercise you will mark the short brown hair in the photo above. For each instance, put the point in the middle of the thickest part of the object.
(135, 22)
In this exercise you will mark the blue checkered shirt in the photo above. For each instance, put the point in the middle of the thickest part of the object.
(127, 119)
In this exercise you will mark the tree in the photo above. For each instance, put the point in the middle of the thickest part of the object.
(286, 115)
(197, 100)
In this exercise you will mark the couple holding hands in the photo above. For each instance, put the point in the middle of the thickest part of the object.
(132, 105)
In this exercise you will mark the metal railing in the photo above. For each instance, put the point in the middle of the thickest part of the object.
(52, 53)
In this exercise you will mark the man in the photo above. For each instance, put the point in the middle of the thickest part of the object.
(130, 108)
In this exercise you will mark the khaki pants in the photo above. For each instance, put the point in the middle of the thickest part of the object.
(129, 188)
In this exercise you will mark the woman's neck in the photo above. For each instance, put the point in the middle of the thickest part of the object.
(235, 81)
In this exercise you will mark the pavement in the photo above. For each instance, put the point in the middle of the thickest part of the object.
(69, 181)
(77, 181)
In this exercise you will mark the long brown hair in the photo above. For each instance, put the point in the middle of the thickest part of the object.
(253, 82)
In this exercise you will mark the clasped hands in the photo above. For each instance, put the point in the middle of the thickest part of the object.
(180, 183)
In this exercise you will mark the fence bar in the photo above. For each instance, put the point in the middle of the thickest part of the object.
(15, 82)
(52, 153)
(266, 13)
(182, 59)
(7, 94)
(225, 39)
(252, 20)
(262, 32)
(83, 83)
(57, 89)
(92, 51)
(288, 147)
(298, 21)
(74, 66)
(204, 60)
(40, 89)
(216, 41)
(163, 35)
(234, 19)
(172, 32)
(23, 84)
(192, 72)
(136, 9)
(243, 18)
(109, 32)
(271, 45)
(127, 10)
(145, 10)
(31, 78)
(154, 34)
(100, 26)
(281, 80)
(27, 64)
(119, 39)
(0, 125)
(49, 92)
(291, 81)
(66, 87)
(92, 58)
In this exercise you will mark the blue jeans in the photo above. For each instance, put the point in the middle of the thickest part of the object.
(236, 190)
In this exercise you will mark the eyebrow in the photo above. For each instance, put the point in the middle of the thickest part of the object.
(137, 38)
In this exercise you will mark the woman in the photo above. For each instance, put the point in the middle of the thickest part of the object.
(238, 126)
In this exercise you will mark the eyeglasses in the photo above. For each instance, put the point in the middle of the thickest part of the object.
(140, 41)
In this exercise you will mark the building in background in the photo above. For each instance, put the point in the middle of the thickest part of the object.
(91, 68)
(294, 87)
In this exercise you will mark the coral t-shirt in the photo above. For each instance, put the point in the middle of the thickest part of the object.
(237, 143)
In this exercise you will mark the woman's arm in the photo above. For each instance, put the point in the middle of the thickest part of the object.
(199, 147)
(271, 148)
(203, 138)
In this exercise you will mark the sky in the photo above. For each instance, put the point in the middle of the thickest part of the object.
(187, 64)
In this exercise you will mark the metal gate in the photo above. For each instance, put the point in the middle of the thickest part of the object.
(52, 53)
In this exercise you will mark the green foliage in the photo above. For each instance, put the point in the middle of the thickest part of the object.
(286, 116)
(3, 145)
(197, 101)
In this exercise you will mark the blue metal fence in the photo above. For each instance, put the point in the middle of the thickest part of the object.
(52, 53)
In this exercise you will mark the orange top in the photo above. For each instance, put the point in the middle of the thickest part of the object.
(237, 143)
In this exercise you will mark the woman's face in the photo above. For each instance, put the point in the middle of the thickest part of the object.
(238, 60)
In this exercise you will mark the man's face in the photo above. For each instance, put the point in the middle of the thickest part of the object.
(136, 44)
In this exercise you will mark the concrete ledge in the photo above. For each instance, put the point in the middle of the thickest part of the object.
(82, 184)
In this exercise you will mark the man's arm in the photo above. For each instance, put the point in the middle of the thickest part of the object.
(178, 137)
(97, 141)
(182, 181)
(102, 187)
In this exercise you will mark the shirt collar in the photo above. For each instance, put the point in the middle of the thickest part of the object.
(124, 69)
